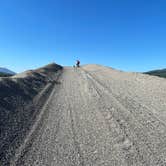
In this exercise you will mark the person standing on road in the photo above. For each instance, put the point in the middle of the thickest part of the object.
(78, 63)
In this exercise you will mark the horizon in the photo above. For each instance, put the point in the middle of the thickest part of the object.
(128, 36)
(83, 65)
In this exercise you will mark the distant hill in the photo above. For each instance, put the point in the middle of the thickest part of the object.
(4, 72)
(5, 75)
(159, 73)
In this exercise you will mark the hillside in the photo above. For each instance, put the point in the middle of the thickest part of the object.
(21, 97)
(5, 75)
(93, 115)
(6, 71)
(159, 73)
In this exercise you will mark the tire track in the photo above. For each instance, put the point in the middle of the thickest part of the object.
(141, 112)
(132, 102)
(76, 143)
(36, 128)
(139, 130)
(68, 100)
(106, 111)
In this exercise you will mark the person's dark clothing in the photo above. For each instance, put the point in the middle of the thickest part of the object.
(78, 63)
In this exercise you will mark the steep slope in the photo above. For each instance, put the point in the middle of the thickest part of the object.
(21, 98)
(100, 116)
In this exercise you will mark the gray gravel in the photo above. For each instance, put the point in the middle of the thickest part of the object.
(98, 116)
(21, 99)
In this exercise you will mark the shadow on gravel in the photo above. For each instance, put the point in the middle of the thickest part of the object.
(57, 82)
(21, 99)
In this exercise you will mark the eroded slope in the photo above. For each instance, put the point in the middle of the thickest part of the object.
(21, 98)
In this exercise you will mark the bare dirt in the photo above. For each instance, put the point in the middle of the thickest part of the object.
(98, 116)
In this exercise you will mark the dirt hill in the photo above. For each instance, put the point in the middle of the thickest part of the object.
(21, 97)
(93, 116)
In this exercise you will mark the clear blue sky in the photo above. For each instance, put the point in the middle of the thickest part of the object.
(125, 34)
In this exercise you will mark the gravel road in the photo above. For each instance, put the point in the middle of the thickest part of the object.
(98, 116)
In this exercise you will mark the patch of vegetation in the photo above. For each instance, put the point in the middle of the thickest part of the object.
(159, 73)
(5, 75)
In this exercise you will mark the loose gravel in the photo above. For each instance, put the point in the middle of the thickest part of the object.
(99, 116)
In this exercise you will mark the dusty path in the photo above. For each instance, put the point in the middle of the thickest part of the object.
(101, 117)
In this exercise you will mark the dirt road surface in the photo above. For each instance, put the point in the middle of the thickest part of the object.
(98, 116)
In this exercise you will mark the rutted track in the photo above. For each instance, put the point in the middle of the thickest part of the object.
(89, 122)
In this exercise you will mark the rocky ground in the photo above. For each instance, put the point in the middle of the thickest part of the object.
(21, 98)
(98, 116)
